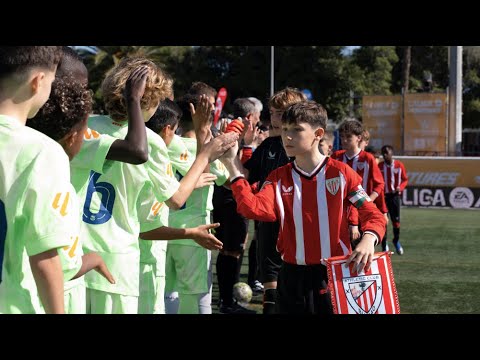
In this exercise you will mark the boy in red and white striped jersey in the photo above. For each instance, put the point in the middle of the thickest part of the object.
(307, 197)
(396, 181)
(352, 136)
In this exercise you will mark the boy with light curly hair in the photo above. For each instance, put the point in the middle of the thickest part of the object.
(127, 201)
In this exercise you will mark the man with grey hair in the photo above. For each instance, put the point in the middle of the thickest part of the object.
(258, 103)
(247, 109)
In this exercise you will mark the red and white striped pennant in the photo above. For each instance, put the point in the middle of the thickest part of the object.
(371, 292)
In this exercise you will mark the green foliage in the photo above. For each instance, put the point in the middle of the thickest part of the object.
(324, 70)
(376, 63)
(433, 59)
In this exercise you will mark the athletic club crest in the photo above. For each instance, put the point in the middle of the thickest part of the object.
(364, 293)
(360, 165)
(333, 185)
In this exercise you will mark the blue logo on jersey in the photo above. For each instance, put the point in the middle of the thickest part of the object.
(107, 191)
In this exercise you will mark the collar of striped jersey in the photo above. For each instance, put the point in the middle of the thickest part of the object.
(313, 173)
(392, 164)
(354, 156)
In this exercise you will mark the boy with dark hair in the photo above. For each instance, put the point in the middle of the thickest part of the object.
(396, 181)
(34, 172)
(64, 119)
(269, 156)
(188, 266)
(200, 88)
(364, 163)
(307, 197)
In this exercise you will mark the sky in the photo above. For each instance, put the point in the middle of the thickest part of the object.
(348, 50)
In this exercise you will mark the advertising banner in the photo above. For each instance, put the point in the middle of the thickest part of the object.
(442, 181)
(382, 118)
(425, 124)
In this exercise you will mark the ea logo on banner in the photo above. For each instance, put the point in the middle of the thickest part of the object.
(461, 197)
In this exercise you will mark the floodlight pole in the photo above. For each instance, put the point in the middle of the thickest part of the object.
(272, 70)
(455, 101)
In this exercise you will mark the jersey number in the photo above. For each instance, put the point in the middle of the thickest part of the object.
(106, 205)
(3, 235)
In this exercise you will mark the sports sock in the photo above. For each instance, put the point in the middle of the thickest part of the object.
(171, 302)
(269, 299)
(396, 235)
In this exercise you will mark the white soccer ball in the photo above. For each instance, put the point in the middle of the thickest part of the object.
(242, 292)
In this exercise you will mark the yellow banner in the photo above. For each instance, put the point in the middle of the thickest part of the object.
(425, 124)
(381, 116)
(432, 171)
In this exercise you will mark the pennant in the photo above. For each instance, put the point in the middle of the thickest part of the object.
(219, 103)
(371, 292)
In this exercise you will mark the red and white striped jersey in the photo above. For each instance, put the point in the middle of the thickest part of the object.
(394, 176)
(366, 166)
(309, 208)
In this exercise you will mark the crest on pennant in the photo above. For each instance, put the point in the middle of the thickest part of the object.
(333, 185)
(364, 293)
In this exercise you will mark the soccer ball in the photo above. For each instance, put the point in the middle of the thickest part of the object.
(242, 292)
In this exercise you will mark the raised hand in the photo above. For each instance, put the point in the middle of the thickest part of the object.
(217, 146)
(202, 115)
(204, 238)
(251, 135)
(135, 85)
(236, 125)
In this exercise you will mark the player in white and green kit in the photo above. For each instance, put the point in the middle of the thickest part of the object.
(63, 118)
(188, 266)
(34, 187)
(192, 263)
(121, 204)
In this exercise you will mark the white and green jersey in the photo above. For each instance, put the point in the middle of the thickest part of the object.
(92, 156)
(196, 210)
(151, 251)
(37, 213)
(120, 203)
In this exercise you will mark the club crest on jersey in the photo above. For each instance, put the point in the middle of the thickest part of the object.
(364, 293)
(287, 191)
(360, 165)
(333, 185)
(271, 155)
